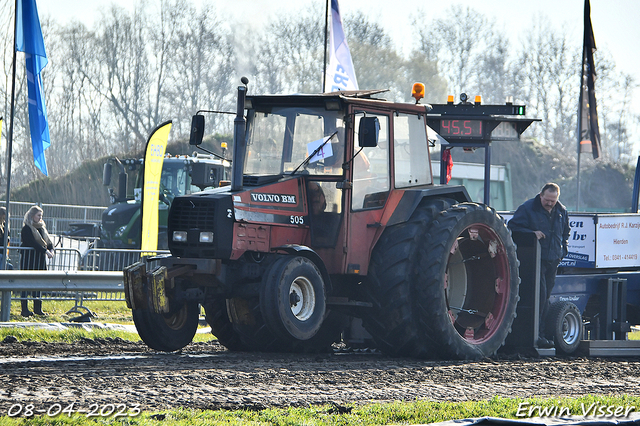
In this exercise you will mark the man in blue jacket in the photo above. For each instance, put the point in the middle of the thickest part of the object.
(546, 217)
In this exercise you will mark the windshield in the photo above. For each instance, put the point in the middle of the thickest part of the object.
(174, 177)
(280, 140)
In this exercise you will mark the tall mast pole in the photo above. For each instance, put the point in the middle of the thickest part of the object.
(10, 136)
(326, 39)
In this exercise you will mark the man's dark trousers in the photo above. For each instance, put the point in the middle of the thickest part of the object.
(548, 270)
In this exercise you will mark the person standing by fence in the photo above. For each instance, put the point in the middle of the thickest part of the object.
(34, 234)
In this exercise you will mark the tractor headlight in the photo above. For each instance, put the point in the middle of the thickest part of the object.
(180, 236)
(120, 231)
(206, 237)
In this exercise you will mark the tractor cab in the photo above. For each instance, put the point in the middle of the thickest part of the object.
(328, 164)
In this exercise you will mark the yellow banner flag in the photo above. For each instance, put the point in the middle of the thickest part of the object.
(153, 160)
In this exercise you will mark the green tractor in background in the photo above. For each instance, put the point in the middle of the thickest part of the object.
(122, 220)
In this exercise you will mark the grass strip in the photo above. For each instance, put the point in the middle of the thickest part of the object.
(393, 413)
(76, 334)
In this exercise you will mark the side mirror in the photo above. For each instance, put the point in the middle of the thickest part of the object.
(368, 132)
(197, 130)
(106, 174)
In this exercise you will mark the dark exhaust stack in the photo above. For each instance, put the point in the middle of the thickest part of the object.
(239, 147)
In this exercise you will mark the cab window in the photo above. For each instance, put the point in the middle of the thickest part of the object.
(371, 169)
(411, 152)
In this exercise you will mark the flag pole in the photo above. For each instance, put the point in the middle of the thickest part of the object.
(587, 129)
(579, 129)
(326, 40)
(10, 136)
(578, 182)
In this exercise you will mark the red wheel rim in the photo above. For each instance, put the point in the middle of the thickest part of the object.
(477, 283)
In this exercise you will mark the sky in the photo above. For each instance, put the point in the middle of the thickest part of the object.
(614, 21)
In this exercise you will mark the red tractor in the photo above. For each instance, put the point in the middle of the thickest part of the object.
(333, 219)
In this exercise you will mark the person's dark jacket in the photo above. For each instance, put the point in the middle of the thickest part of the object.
(32, 259)
(4, 252)
(531, 217)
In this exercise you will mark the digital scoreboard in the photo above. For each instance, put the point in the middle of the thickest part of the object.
(461, 128)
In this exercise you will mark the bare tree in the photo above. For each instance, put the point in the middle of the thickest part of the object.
(199, 66)
(123, 40)
(614, 92)
(77, 133)
(457, 45)
(291, 54)
(108, 86)
(495, 72)
(550, 67)
(377, 64)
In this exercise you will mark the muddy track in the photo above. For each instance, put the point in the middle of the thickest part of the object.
(106, 373)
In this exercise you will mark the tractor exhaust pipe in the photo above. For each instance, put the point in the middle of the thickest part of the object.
(239, 147)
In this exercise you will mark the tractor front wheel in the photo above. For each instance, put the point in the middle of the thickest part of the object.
(290, 314)
(254, 334)
(168, 332)
(293, 298)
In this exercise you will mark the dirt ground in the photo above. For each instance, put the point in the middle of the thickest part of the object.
(99, 376)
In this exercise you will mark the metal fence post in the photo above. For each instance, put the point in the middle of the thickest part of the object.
(5, 307)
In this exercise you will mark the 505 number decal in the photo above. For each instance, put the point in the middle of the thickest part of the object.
(296, 220)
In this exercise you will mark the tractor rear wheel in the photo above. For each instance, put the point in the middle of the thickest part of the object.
(168, 332)
(469, 282)
(217, 316)
(393, 278)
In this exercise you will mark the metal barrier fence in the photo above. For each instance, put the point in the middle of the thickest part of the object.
(57, 283)
(65, 259)
(56, 216)
(72, 259)
(113, 260)
(91, 266)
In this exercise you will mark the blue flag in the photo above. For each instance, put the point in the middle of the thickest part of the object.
(29, 40)
(340, 75)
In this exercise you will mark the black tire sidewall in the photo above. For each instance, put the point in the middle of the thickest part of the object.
(155, 332)
(217, 316)
(254, 334)
(431, 296)
(393, 273)
(554, 321)
(274, 298)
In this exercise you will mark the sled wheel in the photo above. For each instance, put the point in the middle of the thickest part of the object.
(564, 323)
(469, 291)
(293, 298)
(168, 332)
